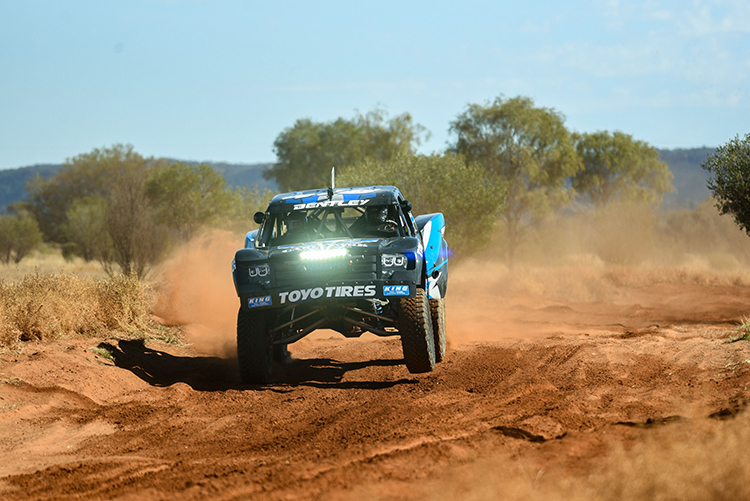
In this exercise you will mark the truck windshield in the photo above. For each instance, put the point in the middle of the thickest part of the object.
(324, 223)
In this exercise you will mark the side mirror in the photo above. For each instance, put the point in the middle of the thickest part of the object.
(406, 206)
(259, 217)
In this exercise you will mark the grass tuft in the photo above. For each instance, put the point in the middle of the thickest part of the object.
(12, 381)
(743, 333)
(102, 352)
(45, 307)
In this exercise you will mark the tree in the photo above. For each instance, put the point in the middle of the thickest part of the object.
(88, 174)
(187, 197)
(130, 237)
(19, 234)
(139, 240)
(528, 147)
(730, 179)
(307, 151)
(86, 231)
(124, 210)
(618, 167)
(248, 201)
(465, 194)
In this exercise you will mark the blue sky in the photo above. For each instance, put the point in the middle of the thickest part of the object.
(219, 80)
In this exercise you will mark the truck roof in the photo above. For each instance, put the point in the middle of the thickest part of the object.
(380, 195)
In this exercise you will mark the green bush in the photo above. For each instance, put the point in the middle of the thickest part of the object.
(730, 179)
(19, 234)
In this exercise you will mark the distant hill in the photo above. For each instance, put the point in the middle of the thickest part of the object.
(13, 181)
(689, 178)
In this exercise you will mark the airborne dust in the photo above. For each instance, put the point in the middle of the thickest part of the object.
(586, 267)
(197, 292)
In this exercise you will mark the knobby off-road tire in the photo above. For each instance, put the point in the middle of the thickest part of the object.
(417, 338)
(437, 310)
(281, 354)
(254, 350)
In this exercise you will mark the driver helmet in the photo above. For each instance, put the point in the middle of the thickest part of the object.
(296, 220)
(376, 214)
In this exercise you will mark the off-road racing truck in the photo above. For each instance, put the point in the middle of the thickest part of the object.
(354, 260)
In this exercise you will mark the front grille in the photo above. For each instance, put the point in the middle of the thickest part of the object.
(296, 272)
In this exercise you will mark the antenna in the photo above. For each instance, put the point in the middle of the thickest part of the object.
(333, 183)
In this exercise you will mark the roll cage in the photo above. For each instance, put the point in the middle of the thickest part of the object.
(326, 223)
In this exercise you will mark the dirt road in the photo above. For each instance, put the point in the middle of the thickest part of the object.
(542, 384)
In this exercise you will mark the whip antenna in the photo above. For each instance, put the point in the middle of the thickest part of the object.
(333, 183)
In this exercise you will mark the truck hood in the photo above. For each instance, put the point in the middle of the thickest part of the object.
(354, 246)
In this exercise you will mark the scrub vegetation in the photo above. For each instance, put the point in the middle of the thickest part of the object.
(52, 306)
(127, 212)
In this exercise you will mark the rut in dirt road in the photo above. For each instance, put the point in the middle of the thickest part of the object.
(348, 413)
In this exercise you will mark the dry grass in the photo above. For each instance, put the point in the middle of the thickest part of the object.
(743, 331)
(47, 261)
(44, 307)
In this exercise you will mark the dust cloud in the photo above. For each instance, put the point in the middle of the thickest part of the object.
(196, 291)
(607, 268)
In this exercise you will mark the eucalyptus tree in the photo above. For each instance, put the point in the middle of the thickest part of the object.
(307, 150)
(529, 148)
(730, 179)
(617, 167)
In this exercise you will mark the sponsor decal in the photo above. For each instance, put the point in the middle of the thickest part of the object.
(342, 195)
(254, 302)
(395, 290)
(319, 292)
(330, 203)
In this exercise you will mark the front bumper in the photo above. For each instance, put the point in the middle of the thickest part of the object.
(335, 290)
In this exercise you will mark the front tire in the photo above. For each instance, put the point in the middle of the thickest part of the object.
(254, 349)
(281, 354)
(437, 310)
(417, 338)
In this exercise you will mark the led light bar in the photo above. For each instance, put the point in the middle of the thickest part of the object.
(321, 254)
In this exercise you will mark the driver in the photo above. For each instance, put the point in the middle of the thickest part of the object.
(380, 219)
(297, 229)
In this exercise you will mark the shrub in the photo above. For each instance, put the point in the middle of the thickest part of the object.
(47, 307)
(19, 234)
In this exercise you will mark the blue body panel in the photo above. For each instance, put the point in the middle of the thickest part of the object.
(432, 228)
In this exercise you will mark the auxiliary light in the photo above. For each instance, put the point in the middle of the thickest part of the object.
(321, 254)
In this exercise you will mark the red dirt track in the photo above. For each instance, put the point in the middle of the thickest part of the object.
(541, 382)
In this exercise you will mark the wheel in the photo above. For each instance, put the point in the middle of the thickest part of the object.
(281, 354)
(254, 349)
(437, 310)
(417, 339)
